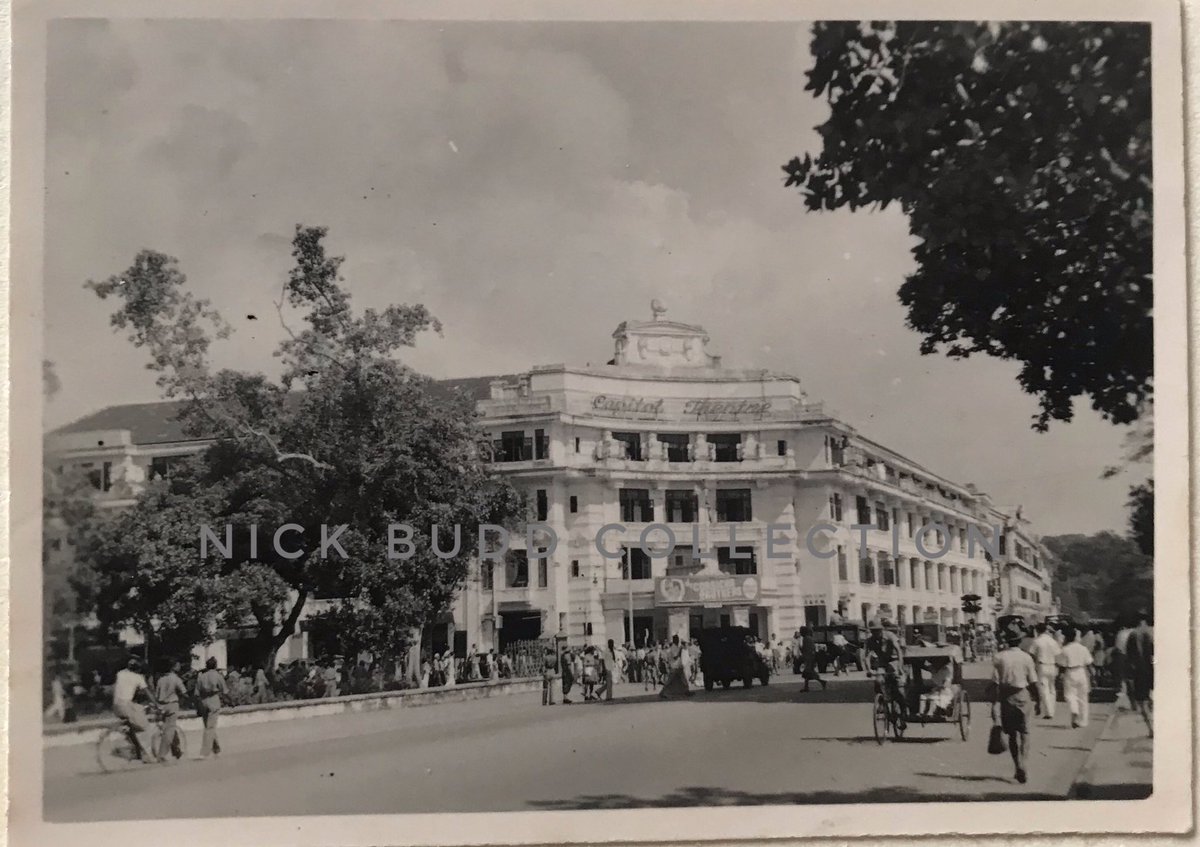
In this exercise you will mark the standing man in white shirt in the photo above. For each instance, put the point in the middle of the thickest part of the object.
(128, 685)
(1013, 674)
(1045, 652)
(1076, 660)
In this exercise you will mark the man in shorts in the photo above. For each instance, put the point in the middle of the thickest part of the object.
(885, 655)
(1013, 674)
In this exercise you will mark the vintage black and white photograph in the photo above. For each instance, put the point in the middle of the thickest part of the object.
(444, 417)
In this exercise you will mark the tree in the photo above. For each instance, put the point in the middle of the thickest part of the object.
(1141, 516)
(348, 436)
(1021, 154)
(1101, 575)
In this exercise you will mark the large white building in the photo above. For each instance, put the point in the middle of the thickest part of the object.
(738, 464)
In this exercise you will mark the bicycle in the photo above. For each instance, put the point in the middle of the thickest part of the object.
(887, 708)
(117, 748)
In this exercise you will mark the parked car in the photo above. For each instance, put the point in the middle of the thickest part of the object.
(726, 654)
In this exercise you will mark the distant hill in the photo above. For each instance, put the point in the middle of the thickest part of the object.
(1100, 576)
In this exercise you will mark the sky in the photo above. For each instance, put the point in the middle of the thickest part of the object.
(533, 184)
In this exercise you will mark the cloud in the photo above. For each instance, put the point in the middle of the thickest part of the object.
(534, 185)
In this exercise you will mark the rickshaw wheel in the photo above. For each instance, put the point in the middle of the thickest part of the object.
(879, 718)
(897, 722)
(964, 715)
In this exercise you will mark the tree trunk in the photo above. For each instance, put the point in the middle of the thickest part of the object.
(271, 640)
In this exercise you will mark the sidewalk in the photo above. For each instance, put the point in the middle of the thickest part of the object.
(1121, 765)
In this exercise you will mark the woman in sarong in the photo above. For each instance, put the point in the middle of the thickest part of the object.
(808, 654)
(676, 684)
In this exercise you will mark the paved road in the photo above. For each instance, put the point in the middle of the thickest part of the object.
(773, 745)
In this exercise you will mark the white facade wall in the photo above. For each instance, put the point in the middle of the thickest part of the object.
(671, 389)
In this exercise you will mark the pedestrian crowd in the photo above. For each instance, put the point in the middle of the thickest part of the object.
(673, 666)
(1034, 662)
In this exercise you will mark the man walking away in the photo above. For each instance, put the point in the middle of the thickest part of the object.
(1045, 652)
(1120, 663)
(1075, 660)
(568, 675)
(1013, 674)
(167, 692)
(549, 666)
(1139, 669)
(210, 688)
(129, 684)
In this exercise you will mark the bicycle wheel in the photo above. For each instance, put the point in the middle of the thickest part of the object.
(115, 751)
(879, 718)
(964, 715)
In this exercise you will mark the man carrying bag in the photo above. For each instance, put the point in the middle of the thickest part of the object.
(1013, 674)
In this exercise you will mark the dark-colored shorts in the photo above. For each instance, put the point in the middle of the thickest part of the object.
(1016, 710)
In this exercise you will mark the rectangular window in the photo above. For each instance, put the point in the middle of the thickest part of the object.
(574, 504)
(726, 446)
(512, 446)
(161, 467)
(941, 572)
(543, 505)
(911, 524)
(639, 560)
(866, 570)
(575, 572)
(636, 506)
(487, 576)
(541, 444)
(578, 445)
(516, 569)
(676, 445)
(1003, 544)
(881, 517)
(835, 507)
(682, 506)
(781, 447)
(843, 569)
(733, 505)
(914, 576)
(835, 450)
(887, 572)
(633, 445)
(543, 573)
(864, 511)
(587, 628)
(682, 560)
(100, 478)
(743, 563)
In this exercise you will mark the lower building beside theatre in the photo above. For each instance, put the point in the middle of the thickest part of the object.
(759, 486)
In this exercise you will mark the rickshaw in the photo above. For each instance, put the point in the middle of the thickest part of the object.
(892, 715)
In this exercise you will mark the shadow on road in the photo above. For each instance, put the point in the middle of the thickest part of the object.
(704, 796)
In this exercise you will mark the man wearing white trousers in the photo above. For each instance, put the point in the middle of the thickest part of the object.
(1077, 684)
(1045, 652)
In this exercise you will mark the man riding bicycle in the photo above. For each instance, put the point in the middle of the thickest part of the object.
(885, 656)
(129, 684)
